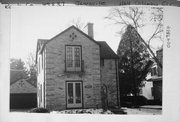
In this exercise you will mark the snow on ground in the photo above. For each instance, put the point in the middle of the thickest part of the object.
(145, 110)
(142, 111)
(83, 111)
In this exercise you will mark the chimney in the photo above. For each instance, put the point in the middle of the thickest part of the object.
(90, 30)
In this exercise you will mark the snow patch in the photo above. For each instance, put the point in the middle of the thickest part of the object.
(83, 111)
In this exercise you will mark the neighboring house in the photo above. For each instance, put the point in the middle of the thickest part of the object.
(22, 94)
(156, 74)
(146, 90)
(153, 86)
(72, 70)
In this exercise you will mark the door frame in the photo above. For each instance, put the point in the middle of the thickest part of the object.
(67, 93)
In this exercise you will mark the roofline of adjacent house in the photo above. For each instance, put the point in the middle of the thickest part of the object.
(158, 78)
(22, 79)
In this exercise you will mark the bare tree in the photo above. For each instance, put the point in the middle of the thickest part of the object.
(157, 17)
(78, 23)
(135, 17)
(31, 64)
(31, 60)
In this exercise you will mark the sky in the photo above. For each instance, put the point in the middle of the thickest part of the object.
(30, 23)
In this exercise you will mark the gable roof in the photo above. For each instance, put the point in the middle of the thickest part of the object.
(43, 42)
(22, 86)
(16, 75)
(40, 46)
(77, 30)
(106, 52)
(28, 80)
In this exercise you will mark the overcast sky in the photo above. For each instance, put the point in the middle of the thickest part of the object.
(39, 22)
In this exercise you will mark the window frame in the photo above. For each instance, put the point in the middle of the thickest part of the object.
(102, 62)
(74, 68)
(154, 71)
(42, 62)
(39, 65)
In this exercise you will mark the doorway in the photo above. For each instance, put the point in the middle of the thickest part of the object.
(74, 94)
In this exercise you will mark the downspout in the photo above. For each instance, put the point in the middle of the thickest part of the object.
(44, 61)
(37, 82)
(117, 83)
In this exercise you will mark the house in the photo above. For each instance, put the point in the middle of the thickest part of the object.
(22, 94)
(153, 86)
(75, 71)
(146, 90)
(156, 78)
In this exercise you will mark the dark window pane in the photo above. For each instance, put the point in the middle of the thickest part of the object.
(70, 93)
(77, 56)
(69, 57)
(73, 58)
(42, 61)
(78, 93)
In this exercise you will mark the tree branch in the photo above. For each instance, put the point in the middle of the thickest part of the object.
(156, 32)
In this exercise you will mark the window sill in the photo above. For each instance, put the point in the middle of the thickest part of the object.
(80, 73)
(73, 72)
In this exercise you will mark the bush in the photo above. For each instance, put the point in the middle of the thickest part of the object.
(39, 110)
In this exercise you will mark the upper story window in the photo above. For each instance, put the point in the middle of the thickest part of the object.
(42, 61)
(39, 65)
(154, 71)
(73, 58)
(102, 62)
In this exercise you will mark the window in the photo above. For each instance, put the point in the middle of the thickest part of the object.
(73, 58)
(153, 71)
(152, 91)
(39, 66)
(102, 62)
(42, 60)
(40, 94)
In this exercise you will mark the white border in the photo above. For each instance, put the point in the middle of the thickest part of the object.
(171, 80)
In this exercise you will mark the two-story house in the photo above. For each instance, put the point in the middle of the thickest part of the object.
(72, 70)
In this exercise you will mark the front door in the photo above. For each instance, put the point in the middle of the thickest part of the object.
(74, 94)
